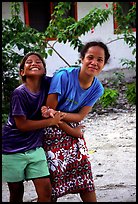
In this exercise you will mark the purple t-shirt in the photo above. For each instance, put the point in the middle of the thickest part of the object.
(24, 103)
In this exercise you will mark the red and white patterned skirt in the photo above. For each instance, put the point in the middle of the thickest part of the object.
(68, 163)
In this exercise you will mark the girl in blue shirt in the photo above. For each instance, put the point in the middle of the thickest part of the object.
(74, 91)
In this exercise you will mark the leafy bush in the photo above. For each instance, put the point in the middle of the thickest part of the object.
(18, 39)
(131, 93)
(4, 118)
(109, 97)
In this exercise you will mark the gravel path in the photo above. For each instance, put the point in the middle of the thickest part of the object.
(111, 141)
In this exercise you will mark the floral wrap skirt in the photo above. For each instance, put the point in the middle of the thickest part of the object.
(68, 162)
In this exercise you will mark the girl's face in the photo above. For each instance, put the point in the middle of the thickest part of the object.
(94, 60)
(33, 67)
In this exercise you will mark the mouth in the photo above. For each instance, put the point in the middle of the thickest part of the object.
(92, 68)
(35, 69)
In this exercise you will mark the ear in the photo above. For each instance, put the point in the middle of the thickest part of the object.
(22, 72)
(81, 61)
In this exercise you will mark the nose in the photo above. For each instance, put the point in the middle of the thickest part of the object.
(94, 62)
(34, 62)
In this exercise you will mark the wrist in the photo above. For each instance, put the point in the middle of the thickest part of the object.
(50, 121)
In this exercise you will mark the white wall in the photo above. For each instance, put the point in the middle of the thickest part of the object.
(55, 62)
(118, 49)
(6, 10)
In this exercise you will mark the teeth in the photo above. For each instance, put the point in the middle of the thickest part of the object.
(34, 69)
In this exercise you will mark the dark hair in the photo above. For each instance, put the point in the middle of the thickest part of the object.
(22, 63)
(95, 43)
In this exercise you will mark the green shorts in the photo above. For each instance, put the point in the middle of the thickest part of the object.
(24, 166)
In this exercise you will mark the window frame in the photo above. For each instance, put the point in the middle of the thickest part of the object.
(26, 13)
(115, 21)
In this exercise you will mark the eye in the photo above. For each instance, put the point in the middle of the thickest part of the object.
(100, 60)
(28, 62)
(39, 61)
(90, 57)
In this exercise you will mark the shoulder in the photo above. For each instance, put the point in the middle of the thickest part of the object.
(46, 79)
(67, 70)
(98, 85)
(19, 89)
(18, 93)
(97, 82)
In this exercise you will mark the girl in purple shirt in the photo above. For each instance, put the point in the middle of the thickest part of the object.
(23, 157)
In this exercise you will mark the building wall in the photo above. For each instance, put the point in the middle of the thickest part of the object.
(118, 49)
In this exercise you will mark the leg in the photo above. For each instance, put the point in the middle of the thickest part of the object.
(43, 189)
(88, 196)
(16, 192)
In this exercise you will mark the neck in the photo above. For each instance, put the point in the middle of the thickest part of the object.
(33, 84)
(85, 80)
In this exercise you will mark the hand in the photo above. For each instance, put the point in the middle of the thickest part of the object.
(47, 112)
(78, 131)
(58, 117)
(44, 111)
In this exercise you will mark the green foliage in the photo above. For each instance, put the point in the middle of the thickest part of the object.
(130, 64)
(68, 30)
(4, 118)
(131, 93)
(125, 29)
(118, 78)
(109, 97)
(18, 39)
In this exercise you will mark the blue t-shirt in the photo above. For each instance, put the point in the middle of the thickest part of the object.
(71, 97)
(24, 103)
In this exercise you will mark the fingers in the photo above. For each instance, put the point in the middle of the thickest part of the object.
(44, 111)
(51, 115)
(60, 114)
(44, 108)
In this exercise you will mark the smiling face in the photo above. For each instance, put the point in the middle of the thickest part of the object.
(33, 67)
(93, 61)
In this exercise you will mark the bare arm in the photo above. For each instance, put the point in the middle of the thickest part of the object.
(75, 132)
(24, 124)
(77, 117)
(52, 102)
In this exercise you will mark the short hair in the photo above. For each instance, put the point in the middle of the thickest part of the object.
(95, 43)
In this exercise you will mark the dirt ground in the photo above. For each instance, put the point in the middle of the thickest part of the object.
(111, 141)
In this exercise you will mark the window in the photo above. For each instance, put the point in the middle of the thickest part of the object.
(126, 6)
(38, 15)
